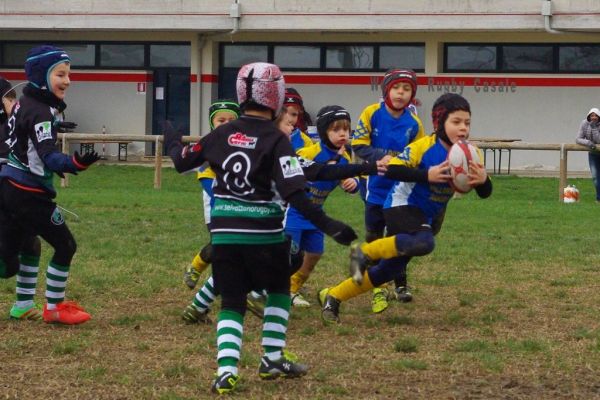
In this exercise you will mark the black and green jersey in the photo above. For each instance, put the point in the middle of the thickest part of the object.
(256, 168)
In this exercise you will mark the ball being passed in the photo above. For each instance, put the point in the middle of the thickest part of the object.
(459, 156)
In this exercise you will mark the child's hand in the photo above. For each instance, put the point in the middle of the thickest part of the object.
(477, 175)
(439, 173)
(382, 167)
(349, 184)
(385, 160)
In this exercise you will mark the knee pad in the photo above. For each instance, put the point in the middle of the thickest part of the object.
(373, 235)
(206, 253)
(415, 244)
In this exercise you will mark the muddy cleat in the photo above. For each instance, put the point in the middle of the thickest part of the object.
(299, 301)
(31, 313)
(66, 312)
(359, 263)
(192, 315)
(379, 302)
(256, 305)
(191, 276)
(283, 367)
(404, 294)
(330, 307)
(224, 383)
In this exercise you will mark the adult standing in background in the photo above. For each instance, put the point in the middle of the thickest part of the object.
(589, 136)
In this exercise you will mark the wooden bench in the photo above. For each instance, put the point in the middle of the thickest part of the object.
(88, 146)
(496, 139)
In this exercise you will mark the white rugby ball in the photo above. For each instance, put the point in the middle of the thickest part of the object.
(570, 194)
(459, 156)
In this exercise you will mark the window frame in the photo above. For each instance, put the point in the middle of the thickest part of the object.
(554, 70)
(323, 51)
(97, 53)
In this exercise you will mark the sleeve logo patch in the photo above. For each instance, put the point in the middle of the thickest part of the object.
(238, 139)
(43, 131)
(290, 166)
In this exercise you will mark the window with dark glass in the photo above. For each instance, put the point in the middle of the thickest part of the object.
(15, 54)
(579, 58)
(405, 56)
(471, 58)
(234, 56)
(82, 55)
(527, 58)
(298, 57)
(170, 55)
(349, 57)
(122, 55)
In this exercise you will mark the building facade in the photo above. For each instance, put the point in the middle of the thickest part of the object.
(530, 68)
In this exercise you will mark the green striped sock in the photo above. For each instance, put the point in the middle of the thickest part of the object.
(56, 282)
(275, 323)
(230, 327)
(27, 280)
(205, 296)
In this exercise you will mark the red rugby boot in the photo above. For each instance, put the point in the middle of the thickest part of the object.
(66, 312)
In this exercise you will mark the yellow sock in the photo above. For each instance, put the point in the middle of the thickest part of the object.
(199, 264)
(349, 289)
(380, 248)
(296, 281)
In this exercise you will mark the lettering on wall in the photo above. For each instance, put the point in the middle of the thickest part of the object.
(480, 85)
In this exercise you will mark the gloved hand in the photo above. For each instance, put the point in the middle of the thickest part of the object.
(171, 135)
(340, 232)
(85, 160)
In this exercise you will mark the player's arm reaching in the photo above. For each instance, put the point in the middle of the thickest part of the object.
(185, 157)
(339, 231)
(290, 183)
(314, 171)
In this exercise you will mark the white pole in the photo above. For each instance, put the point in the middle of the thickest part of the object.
(103, 143)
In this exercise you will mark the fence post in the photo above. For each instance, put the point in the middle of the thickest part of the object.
(562, 182)
(158, 151)
(64, 182)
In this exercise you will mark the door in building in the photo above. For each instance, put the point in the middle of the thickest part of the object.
(227, 80)
(171, 100)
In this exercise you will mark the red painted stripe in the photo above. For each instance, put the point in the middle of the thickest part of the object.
(329, 79)
(111, 77)
(193, 78)
(13, 75)
(209, 78)
(448, 80)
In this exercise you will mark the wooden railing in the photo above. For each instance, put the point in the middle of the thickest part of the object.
(68, 138)
(562, 148)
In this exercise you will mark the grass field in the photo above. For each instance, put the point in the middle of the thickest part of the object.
(506, 307)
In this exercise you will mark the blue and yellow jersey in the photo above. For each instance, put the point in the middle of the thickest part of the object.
(431, 198)
(317, 191)
(206, 176)
(299, 139)
(378, 134)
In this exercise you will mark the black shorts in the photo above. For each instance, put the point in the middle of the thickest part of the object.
(405, 219)
(27, 214)
(239, 269)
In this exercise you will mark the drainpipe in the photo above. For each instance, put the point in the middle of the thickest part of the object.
(547, 13)
(235, 12)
